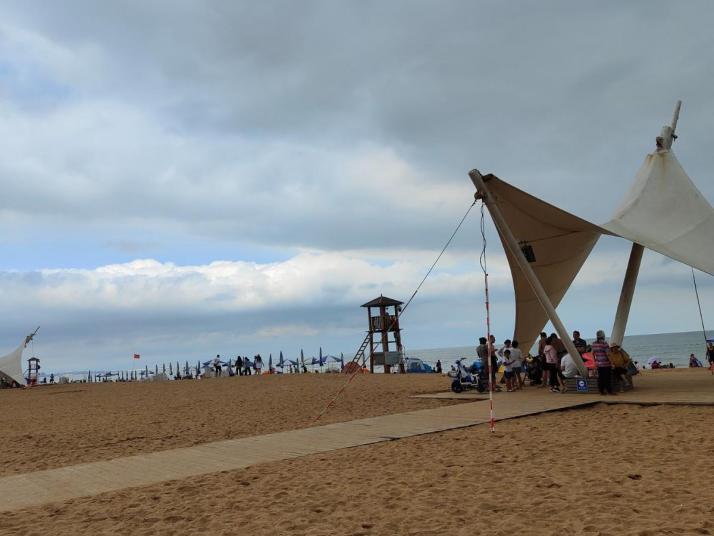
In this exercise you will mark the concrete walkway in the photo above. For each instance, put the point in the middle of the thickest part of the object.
(61, 484)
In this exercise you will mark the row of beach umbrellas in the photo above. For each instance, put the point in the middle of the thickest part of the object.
(187, 370)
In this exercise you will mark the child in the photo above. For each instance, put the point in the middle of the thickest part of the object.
(508, 365)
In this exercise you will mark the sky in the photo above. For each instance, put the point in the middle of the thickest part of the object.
(184, 179)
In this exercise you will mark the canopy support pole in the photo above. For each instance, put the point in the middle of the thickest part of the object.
(529, 274)
(664, 143)
(626, 294)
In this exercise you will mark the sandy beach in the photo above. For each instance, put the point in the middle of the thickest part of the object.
(607, 469)
(50, 426)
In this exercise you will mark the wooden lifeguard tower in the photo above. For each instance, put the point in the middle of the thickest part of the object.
(33, 371)
(382, 323)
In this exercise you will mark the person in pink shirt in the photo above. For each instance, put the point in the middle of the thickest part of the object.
(551, 365)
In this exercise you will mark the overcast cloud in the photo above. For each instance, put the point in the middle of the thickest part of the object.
(192, 178)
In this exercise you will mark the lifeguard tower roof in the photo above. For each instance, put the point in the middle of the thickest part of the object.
(382, 300)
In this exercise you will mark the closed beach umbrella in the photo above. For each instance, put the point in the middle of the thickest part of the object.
(281, 363)
(198, 368)
(146, 368)
(186, 370)
(270, 363)
(171, 369)
(156, 369)
(302, 359)
(342, 360)
(163, 368)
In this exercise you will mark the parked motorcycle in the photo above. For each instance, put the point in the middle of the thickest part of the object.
(465, 378)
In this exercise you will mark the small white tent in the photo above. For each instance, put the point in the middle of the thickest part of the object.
(11, 366)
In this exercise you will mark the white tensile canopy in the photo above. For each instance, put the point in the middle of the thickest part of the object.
(665, 212)
(559, 243)
(11, 365)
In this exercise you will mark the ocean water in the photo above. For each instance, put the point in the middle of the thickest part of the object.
(667, 347)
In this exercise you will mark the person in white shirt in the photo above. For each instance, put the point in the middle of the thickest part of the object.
(517, 358)
(506, 346)
(567, 367)
(508, 365)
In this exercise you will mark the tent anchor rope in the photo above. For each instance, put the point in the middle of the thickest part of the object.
(400, 313)
(699, 305)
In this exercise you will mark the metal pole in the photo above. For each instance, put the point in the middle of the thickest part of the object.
(664, 143)
(528, 272)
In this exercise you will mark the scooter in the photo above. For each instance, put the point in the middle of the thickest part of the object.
(467, 378)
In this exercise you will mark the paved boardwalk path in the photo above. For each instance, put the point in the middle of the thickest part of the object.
(32, 489)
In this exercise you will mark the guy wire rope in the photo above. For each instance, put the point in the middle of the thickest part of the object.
(399, 313)
(699, 304)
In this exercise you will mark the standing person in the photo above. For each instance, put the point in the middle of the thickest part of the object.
(501, 352)
(517, 357)
(258, 364)
(438, 366)
(580, 345)
(508, 365)
(551, 365)
(246, 366)
(506, 346)
(239, 365)
(541, 357)
(710, 355)
(482, 353)
(217, 365)
(558, 345)
(493, 361)
(601, 354)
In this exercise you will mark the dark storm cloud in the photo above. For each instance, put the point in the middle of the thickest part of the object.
(556, 97)
(329, 126)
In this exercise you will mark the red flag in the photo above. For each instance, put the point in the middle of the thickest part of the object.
(137, 356)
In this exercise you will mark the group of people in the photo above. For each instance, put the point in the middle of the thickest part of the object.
(552, 364)
(694, 362)
(243, 366)
(511, 359)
